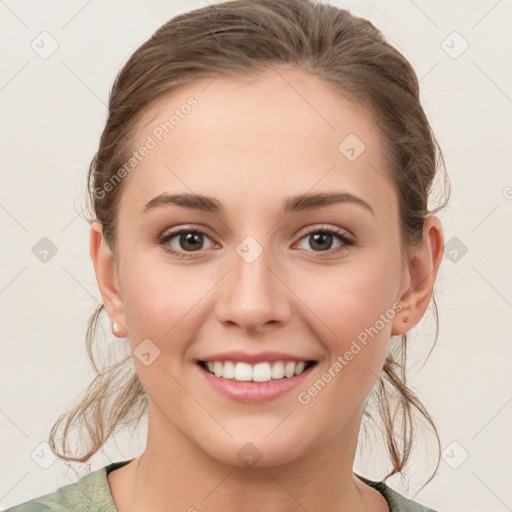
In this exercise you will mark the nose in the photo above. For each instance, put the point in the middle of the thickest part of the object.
(253, 295)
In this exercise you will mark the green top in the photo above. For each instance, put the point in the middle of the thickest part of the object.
(91, 493)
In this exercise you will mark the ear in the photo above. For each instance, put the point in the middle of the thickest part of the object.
(420, 275)
(106, 276)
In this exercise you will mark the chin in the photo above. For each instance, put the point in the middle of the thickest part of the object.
(257, 452)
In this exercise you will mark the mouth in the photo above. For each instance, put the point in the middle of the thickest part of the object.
(260, 372)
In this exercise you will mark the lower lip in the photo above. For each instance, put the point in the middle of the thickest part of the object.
(254, 391)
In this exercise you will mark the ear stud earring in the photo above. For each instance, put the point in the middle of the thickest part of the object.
(405, 319)
(115, 327)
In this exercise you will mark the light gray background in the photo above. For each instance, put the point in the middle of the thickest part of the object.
(53, 111)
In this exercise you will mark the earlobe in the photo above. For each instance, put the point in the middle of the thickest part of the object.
(422, 269)
(106, 276)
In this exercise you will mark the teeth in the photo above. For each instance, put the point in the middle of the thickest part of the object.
(217, 368)
(260, 372)
(289, 369)
(228, 371)
(243, 371)
(278, 370)
(299, 367)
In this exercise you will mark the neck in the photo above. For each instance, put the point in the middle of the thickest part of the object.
(178, 476)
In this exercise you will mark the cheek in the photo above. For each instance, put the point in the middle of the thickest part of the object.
(354, 311)
(157, 294)
(351, 300)
(357, 309)
(159, 311)
(156, 303)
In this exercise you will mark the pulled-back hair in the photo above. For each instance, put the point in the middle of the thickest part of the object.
(243, 38)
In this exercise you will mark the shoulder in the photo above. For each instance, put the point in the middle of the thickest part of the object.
(35, 505)
(397, 502)
(89, 493)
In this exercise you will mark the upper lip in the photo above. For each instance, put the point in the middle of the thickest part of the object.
(253, 358)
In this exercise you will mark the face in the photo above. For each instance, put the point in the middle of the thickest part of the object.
(259, 269)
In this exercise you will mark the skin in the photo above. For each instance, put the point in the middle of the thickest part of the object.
(252, 143)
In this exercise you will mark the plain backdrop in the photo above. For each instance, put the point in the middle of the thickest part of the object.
(53, 110)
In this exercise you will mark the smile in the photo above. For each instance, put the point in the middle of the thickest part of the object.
(260, 372)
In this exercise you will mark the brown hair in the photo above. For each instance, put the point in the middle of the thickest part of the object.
(242, 38)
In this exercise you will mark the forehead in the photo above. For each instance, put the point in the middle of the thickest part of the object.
(271, 135)
(274, 99)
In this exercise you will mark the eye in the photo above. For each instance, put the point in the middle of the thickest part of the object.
(322, 239)
(187, 241)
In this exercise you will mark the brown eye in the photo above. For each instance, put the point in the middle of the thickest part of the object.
(321, 240)
(190, 241)
(184, 241)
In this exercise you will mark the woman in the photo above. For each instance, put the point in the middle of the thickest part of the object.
(262, 240)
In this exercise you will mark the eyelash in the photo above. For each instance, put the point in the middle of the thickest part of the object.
(346, 242)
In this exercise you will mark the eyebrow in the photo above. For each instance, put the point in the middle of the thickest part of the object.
(296, 203)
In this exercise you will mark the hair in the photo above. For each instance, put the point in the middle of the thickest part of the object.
(244, 38)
